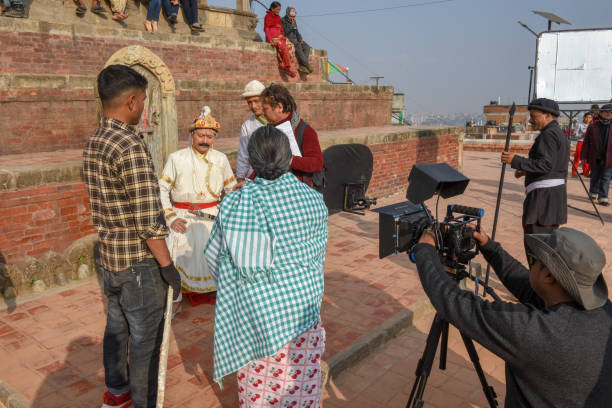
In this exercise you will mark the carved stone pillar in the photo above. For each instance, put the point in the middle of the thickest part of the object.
(243, 5)
(158, 125)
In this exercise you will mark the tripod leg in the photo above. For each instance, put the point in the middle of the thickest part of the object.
(425, 362)
(488, 390)
(444, 345)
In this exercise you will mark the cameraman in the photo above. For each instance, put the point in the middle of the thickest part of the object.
(557, 342)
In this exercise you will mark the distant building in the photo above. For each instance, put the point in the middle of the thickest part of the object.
(497, 115)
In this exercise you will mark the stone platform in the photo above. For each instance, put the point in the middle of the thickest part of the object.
(51, 351)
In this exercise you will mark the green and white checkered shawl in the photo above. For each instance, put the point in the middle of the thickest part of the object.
(266, 249)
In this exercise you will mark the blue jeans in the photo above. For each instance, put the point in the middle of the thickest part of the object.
(153, 10)
(190, 7)
(9, 3)
(600, 180)
(170, 9)
(134, 328)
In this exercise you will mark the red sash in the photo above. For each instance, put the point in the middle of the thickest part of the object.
(195, 206)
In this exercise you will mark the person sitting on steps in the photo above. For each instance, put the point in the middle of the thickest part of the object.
(302, 49)
(95, 7)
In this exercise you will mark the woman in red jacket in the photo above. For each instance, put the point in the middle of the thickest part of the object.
(273, 27)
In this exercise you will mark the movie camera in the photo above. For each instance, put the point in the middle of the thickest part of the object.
(400, 228)
(402, 224)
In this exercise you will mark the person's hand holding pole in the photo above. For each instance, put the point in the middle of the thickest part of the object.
(506, 157)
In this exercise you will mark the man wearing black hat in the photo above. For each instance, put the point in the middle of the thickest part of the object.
(597, 151)
(545, 170)
(556, 340)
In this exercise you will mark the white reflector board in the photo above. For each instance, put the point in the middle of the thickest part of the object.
(575, 66)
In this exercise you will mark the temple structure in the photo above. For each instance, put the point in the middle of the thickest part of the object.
(48, 110)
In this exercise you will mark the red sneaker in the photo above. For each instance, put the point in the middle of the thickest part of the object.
(117, 401)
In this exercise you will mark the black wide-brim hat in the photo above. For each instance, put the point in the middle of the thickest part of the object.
(576, 262)
(544, 105)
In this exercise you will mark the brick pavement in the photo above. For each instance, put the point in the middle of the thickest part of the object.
(50, 347)
(385, 378)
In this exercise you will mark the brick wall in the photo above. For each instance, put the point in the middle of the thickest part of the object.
(51, 216)
(44, 53)
(38, 219)
(43, 120)
(518, 148)
(393, 161)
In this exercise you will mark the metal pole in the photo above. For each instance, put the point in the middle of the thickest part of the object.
(501, 186)
(530, 81)
(587, 192)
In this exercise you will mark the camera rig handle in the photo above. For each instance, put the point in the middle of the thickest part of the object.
(463, 209)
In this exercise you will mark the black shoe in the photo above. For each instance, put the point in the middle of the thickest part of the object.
(81, 10)
(98, 9)
(172, 19)
(16, 11)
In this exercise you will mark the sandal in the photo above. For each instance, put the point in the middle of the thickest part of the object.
(81, 10)
(148, 26)
(98, 9)
(197, 27)
(289, 72)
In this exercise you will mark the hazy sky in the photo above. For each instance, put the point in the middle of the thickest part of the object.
(453, 56)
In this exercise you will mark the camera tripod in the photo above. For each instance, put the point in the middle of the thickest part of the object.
(439, 331)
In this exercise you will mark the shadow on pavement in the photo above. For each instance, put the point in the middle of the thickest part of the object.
(385, 379)
(79, 378)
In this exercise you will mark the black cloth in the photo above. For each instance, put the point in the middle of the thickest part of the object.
(558, 356)
(548, 159)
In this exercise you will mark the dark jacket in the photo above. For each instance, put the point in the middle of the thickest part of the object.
(590, 145)
(548, 159)
(558, 356)
(291, 31)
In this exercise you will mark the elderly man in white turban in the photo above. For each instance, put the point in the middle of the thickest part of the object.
(192, 184)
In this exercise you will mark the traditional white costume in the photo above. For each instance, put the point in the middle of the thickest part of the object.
(196, 182)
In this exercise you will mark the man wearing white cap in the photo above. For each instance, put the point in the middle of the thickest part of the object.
(251, 94)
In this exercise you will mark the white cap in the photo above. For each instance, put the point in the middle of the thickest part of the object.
(253, 88)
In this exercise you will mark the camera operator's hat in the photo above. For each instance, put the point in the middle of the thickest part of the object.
(576, 262)
(606, 108)
(253, 88)
(544, 105)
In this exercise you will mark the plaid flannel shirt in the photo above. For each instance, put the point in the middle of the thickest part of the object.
(123, 194)
(267, 250)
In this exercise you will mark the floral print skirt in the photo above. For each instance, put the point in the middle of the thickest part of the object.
(290, 378)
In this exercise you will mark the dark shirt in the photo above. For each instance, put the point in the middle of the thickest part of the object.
(123, 194)
(558, 356)
(591, 148)
(548, 159)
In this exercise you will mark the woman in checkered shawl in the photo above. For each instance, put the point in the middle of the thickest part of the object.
(267, 250)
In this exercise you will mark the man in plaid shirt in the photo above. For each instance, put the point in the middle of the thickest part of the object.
(127, 212)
